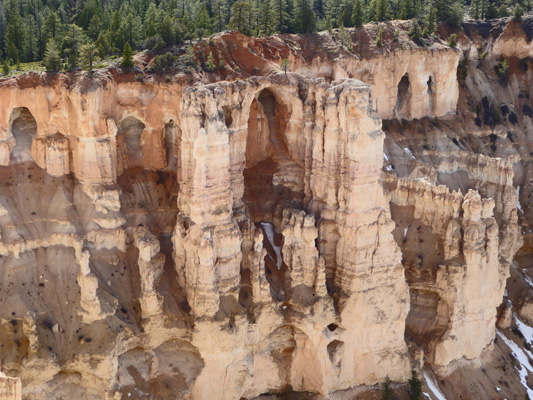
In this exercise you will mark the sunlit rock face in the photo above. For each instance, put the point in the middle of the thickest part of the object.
(228, 239)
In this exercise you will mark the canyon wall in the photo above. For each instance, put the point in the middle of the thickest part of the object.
(228, 239)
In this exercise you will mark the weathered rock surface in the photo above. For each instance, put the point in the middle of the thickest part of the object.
(228, 239)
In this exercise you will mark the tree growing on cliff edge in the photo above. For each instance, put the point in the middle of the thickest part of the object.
(89, 55)
(127, 57)
(52, 59)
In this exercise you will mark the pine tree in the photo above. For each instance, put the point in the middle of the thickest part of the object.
(31, 51)
(52, 59)
(388, 393)
(13, 53)
(51, 27)
(240, 11)
(431, 19)
(203, 22)
(280, 15)
(381, 10)
(305, 21)
(415, 386)
(89, 55)
(333, 10)
(379, 40)
(127, 57)
(220, 14)
(357, 14)
(210, 64)
(265, 18)
(5, 68)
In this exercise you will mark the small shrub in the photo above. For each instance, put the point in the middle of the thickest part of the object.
(452, 40)
(502, 70)
(518, 13)
(379, 40)
(483, 55)
(210, 64)
(285, 65)
(164, 62)
(139, 78)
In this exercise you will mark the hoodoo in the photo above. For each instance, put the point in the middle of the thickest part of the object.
(250, 231)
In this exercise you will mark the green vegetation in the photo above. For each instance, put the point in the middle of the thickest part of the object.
(388, 392)
(415, 386)
(54, 31)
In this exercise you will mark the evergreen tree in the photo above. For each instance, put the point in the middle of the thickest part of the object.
(89, 55)
(31, 49)
(388, 393)
(265, 19)
(379, 40)
(357, 14)
(431, 19)
(13, 53)
(52, 59)
(517, 13)
(203, 21)
(333, 9)
(5, 68)
(240, 11)
(127, 57)
(415, 386)
(220, 14)
(280, 15)
(305, 21)
(51, 27)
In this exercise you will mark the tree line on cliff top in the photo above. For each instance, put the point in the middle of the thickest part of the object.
(78, 31)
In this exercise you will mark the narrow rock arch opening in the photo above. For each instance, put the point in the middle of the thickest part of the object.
(402, 101)
(271, 176)
(24, 130)
(132, 128)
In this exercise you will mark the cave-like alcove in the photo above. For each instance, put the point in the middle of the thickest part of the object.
(402, 101)
(131, 129)
(24, 129)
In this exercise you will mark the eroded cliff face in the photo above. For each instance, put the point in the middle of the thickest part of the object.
(228, 239)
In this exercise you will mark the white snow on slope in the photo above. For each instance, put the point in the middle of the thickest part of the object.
(518, 205)
(522, 358)
(433, 386)
(269, 230)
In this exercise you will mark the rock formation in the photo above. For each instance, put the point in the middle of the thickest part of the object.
(226, 239)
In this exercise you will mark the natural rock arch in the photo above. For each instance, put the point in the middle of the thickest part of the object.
(24, 130)
(267, 156)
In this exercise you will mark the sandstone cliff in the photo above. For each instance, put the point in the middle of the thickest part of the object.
(236, 237)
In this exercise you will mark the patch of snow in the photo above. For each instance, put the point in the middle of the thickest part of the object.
(269, 230)
(518, 205)
(497, 389)
(385, 156)
(388, 168)
(433, 386)
(522, 359)
(528, 280)
(405, 232)
(427, 395)
(526, 330)
(408, 152)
